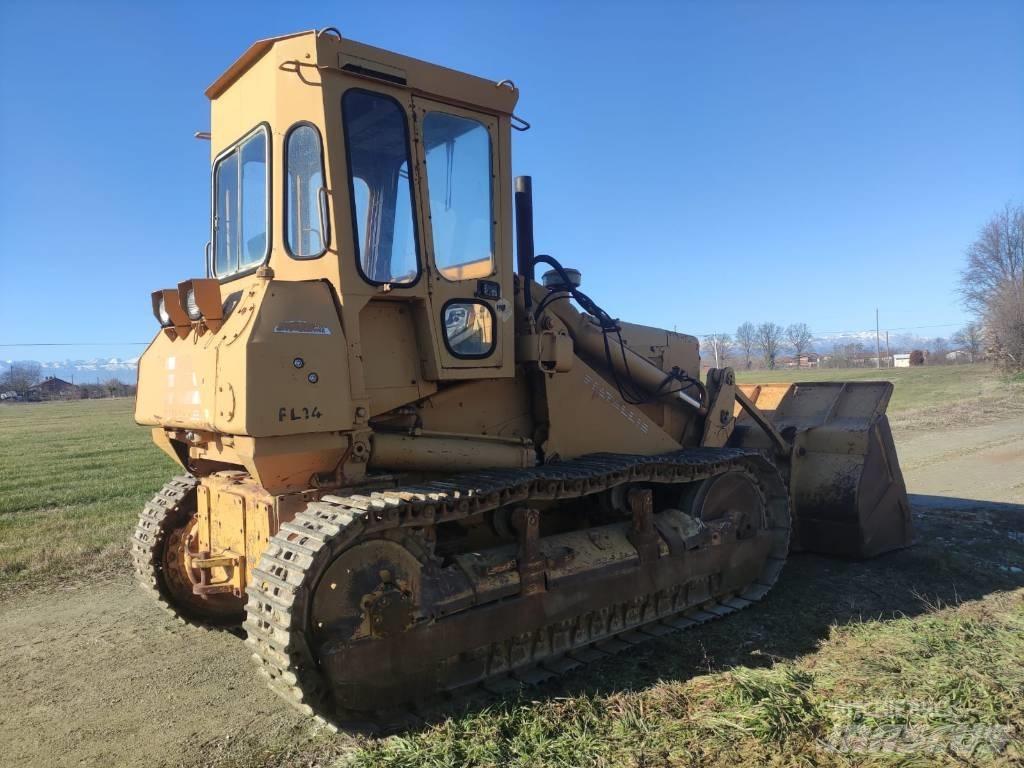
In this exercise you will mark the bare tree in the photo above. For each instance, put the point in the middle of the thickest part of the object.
(746, 339)
(848, 355)
(719, 344)
(20, 376)
(769, 337)
(799, 337)
(992, 285)
(995, 259)
(938, 351)
(1005, 325)
(971, 339)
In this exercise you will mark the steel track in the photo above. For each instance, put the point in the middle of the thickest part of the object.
(285, 578)
(160, 516)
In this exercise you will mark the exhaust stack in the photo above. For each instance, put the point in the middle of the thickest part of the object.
(524, 229)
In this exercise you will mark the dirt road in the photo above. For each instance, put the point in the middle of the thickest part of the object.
(96, 675)
(985, 462)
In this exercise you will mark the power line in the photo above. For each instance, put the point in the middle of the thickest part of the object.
(862, 330)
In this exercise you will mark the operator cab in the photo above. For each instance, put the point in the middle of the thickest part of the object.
(360, 255)
(386, 176)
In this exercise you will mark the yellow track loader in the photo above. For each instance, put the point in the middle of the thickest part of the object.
(415, 461)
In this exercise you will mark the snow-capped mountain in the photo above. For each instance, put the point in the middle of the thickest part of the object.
(84, 371)
(897, 341)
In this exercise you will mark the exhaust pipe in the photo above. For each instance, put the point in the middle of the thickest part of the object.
(524, 233)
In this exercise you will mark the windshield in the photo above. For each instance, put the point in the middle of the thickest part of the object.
(240, 209)
(458, 154)
(380, 186)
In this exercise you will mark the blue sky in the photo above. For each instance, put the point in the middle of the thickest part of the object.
(702, 163)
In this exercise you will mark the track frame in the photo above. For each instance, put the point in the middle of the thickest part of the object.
(663, 596)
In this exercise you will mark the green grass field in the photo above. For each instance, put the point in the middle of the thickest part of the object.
(73, 476)
(914, 388)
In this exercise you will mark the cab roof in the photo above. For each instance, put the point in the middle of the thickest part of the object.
(342, 55)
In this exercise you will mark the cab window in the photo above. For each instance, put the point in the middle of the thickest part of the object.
(458, 155)
(380, 187)
(240, 206)
(305, 200)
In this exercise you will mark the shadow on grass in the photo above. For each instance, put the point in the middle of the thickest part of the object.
(963, 550)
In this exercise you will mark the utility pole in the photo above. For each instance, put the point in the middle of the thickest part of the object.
(878, 343)
(888, 355)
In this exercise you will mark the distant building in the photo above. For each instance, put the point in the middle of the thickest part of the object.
(958, 356)
(52, 388)
(901, 360)
(807, 360)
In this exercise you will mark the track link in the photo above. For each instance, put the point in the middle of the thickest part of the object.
(161, 514)
(168, 510)
(285, 578)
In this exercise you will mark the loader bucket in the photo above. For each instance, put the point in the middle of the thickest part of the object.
(844, 477)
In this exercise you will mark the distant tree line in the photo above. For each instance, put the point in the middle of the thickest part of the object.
(108, 388)
(764, 342)
(762, 345)
(992, 288)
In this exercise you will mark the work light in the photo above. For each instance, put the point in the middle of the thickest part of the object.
(168, 312)
(161, 312)
(202, 301)
(191, 307)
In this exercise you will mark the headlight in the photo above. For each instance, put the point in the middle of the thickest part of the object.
(162, 316)
(168, 312)
(200, 301)
(191, 306)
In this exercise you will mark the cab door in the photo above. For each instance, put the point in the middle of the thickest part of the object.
(468, 258)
